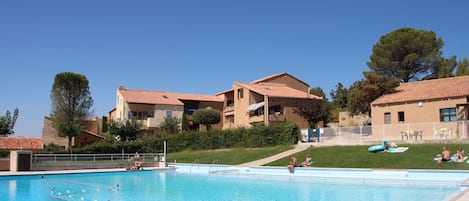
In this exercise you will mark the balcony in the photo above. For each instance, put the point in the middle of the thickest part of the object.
(151, 123)
(255, 119)
(277, 117)
(228, 109)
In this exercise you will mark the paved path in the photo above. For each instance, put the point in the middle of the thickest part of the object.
(260, 162)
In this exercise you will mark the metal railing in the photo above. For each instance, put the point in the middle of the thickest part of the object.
(403, 132)
(73, 161)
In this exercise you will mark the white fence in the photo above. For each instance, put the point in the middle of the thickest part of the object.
(404, 132)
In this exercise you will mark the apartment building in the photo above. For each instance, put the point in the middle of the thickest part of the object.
(268, 100)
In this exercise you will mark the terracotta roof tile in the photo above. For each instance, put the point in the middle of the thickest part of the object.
(19, 143)
(427, 90)
(163, 98)
(266, 79)
(277, 90)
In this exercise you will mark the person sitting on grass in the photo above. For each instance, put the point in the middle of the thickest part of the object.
(460, 154)
(445, 156)
(308, 161)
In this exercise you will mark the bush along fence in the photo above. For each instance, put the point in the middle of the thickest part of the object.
(253, 137)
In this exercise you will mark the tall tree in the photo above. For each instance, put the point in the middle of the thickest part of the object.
(463, 67)
(104, 124)
(407, 54)
(339, 96)
(447, 67)
(71, 104)
(365, 91)
(206, 117)
(7, 123)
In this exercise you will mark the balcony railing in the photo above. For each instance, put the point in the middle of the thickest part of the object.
(152, 123)
(254, 119)
(276, 117)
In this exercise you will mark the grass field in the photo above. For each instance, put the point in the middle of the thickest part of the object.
(418, 156)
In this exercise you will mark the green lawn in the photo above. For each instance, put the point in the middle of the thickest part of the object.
(225, 156)
(419, 156)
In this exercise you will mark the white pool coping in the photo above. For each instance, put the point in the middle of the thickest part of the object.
(300, 172)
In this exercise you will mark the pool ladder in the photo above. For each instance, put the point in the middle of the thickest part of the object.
(196, 162)
(214, 164)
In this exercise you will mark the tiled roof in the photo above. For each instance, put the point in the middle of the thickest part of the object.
(93, 134)
(19, 143)
(163, 98)
(266, 79)
(427, 90)
(277, 90)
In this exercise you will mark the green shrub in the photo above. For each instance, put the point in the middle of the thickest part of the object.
(254, 137)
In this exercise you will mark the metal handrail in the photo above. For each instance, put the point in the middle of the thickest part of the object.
(196, 162)
(91, 158)
(213, 163)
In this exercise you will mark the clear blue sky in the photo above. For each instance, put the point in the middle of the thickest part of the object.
(198, 46)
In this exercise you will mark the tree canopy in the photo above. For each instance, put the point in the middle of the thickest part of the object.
(71, 104)
(313, 110)
(406, 54)
(7, 123)
(171, 125)
(463, 67)
(339, 96)
(125, 131)
(206, 117)
(363, 92)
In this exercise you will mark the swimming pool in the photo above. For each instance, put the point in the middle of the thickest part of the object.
(206, 182)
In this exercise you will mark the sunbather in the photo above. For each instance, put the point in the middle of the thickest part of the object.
(460, 154)
(308, 161)
(445, 156)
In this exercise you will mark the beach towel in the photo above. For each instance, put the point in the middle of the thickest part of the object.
(397, 149)
(452, 159)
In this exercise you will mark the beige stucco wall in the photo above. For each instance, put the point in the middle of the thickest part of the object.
(50, 135)
(160, 112)
(424, 117)
(241, 117)
(120, 107)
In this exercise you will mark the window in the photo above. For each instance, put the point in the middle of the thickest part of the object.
(448, 114)
(229, 103)
(189, 111)
(140, 114)
(240, 93)
(169, 113)
(259, 111)
(400, 115)
(387, 118)
(276, 110)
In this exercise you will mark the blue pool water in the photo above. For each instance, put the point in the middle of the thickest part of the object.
(231, 183)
